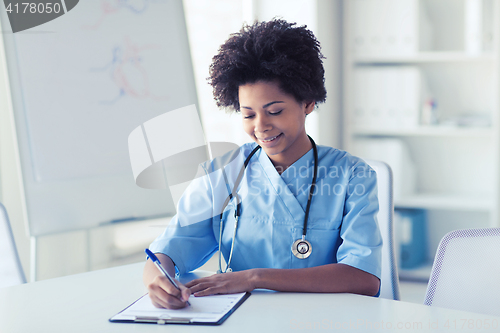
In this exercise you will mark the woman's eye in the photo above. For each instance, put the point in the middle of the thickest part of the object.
(275, 113)
(248, 117)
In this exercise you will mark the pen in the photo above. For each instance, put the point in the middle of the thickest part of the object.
(157, 262)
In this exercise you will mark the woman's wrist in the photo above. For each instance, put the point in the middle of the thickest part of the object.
(256, 277)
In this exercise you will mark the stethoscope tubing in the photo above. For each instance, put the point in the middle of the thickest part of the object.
(313, 186)
(237, 211)
(238, 204)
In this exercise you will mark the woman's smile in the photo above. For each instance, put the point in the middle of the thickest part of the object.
(270, 141)
(275, 120)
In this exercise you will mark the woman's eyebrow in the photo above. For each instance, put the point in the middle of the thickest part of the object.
(269, 104)
(264, 106)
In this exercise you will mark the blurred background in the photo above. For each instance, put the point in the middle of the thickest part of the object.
(414, 83)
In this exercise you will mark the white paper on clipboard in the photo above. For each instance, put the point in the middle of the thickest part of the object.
(206, 309)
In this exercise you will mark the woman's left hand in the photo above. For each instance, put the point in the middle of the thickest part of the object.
(227, 283)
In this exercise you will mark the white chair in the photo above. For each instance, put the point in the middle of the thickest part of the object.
(389, 282)
(466, 272)
(11, 271)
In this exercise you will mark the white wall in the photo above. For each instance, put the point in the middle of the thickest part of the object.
(329, 26)
(209, 24)
(11, 189)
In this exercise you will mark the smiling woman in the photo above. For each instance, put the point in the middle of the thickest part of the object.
(272, 215)
(275, 121)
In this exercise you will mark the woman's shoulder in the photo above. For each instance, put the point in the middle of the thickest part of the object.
(335, 156)
(342, 162)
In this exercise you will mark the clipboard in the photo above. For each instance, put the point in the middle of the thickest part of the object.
(206, 310)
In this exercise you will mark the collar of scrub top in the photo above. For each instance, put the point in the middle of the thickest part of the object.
(237, 211)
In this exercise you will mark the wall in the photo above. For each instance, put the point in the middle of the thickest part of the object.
(121, 244)
(11, 189)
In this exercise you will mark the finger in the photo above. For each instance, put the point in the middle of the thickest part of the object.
(167, 295)
(211, 279)
(162, 299)
(193, 282)
(208, 291)
(200, 286)
(185, 293)
(166, 285)
(157, 302)
(168, 303)
(157, 305)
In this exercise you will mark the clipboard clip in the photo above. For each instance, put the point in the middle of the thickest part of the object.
(162, 321)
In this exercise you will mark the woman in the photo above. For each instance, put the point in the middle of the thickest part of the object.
(291, 234)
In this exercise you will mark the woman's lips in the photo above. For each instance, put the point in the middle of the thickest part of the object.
(270, 140)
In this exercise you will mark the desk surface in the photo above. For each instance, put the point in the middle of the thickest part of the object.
(85, 302)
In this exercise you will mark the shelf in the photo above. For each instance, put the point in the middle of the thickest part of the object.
(446, 202)
(424, 57)
(441, 131)
(386, 79)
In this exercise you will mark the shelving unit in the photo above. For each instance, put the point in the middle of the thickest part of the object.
(457, 166)
(446, 201)
(426, 131)
(424, 57)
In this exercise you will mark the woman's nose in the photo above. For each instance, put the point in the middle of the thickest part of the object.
(262, 124)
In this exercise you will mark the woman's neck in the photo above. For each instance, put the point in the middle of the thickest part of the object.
(285, 159)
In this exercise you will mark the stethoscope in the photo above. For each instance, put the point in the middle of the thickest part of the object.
(301, 248)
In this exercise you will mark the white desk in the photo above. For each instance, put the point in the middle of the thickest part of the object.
(85, 302)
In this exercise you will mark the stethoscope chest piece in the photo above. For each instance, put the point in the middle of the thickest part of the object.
(301, 248)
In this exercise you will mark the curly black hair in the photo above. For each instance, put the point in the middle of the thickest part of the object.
(269, 51)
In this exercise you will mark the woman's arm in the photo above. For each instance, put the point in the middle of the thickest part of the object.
(151, 271)
(331, 278)
(163, 294)
(361, 239)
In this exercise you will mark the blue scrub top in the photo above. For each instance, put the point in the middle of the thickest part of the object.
(342, 225)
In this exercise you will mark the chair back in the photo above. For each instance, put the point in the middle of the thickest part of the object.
(11, 271)
(389, 282)
(466, 272)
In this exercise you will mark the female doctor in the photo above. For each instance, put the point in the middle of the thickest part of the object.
(286, 214)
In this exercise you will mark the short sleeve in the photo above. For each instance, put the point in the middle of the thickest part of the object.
(361, 245)
(189, 238)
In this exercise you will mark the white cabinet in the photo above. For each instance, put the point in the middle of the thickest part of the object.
(422, 76)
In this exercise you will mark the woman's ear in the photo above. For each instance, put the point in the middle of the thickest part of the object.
(309, 106)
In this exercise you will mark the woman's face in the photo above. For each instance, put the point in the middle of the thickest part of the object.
(275, 120)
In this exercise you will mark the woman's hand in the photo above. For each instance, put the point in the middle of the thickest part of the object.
(227, 283)
(163, 294)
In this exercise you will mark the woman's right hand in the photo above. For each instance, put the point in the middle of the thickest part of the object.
(162, 292)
